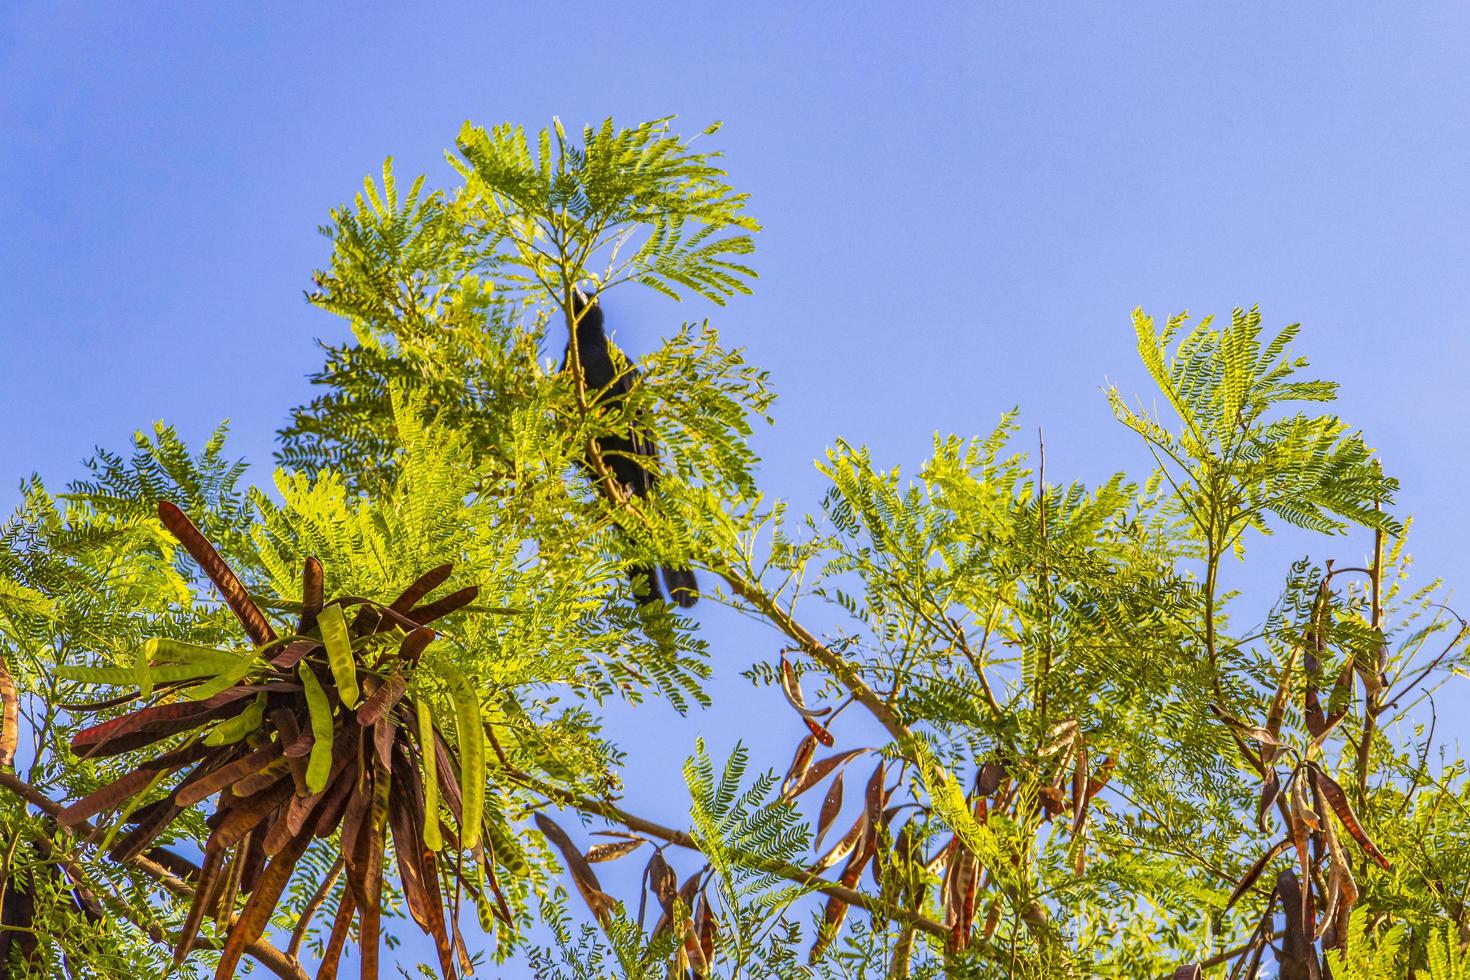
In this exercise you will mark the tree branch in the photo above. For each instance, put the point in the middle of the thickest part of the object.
(1371, 691)
(838, 665)
(266, 954)
(1231, 954)
(9, 717)
(611, 811)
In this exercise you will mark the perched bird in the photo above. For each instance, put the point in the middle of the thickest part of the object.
(631, 458)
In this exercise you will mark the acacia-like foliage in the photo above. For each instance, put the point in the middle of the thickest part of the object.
(308, 735)
(1018, 727)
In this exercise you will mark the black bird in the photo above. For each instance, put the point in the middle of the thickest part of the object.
(631, 458)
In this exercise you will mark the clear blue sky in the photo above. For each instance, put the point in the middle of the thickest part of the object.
(962, 203)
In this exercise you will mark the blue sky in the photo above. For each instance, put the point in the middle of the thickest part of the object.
(962, 203)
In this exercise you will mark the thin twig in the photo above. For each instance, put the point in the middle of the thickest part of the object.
(312, 907)
(1231, 954)
(1371, 692)
(1044, 668)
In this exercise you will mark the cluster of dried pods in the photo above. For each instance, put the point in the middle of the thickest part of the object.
(1314, 907)
(1064, 783)
(300, 737)
(1067, 784)
(898, 864)
(686, 910)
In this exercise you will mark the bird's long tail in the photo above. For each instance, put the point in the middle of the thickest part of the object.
(682, 586)
(645, 584)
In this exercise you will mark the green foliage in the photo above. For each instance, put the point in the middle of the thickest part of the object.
(1038, 660)
(1373, 953)
(743, 833)
(87, 578)
(563, 207)
(1365, 958)
(1232, 464)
